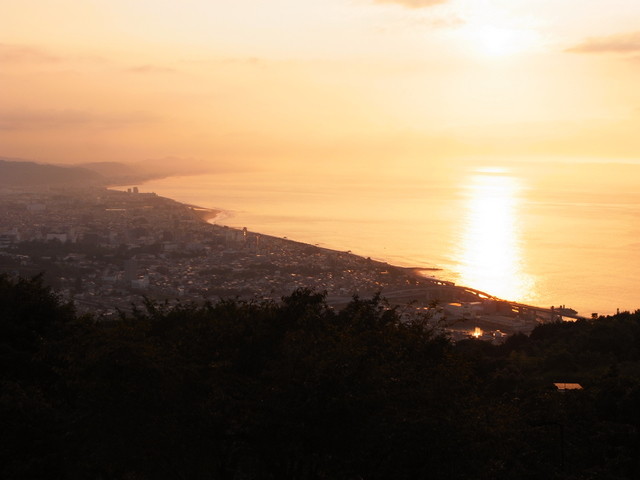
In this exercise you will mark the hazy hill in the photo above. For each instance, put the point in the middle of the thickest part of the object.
(116, 173)
(110, 169)
(24, 173)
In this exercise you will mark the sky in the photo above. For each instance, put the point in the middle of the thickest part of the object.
(356, 84)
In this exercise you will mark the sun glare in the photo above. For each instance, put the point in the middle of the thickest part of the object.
(490, 257)
(493, 41)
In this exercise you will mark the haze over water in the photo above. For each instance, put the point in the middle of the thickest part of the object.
(542, 235)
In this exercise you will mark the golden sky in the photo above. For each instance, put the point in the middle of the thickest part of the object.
(246, 84)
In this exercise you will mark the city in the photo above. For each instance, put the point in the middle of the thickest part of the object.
(106, 250)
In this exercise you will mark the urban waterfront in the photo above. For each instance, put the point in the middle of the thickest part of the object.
(542, 240)
(108, 251)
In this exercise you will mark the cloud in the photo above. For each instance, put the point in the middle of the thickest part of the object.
(244, 60)
(57, 119)
(15, 54)
(25, 54)
(413, 3)
(443, 22)
(150, 69)
(449, 21)
(413, 21)
(622, 43)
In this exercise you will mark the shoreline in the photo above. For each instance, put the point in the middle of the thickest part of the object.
(182, 244)
(212, 216)
(205, 214)
(209, 215)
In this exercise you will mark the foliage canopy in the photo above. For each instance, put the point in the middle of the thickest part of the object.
(293, 389)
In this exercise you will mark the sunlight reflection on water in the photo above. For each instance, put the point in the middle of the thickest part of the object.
(490, 255)
(544, 235)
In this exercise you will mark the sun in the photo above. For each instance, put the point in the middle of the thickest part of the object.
(496, 41)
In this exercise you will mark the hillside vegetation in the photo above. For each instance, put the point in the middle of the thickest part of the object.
(294, 390)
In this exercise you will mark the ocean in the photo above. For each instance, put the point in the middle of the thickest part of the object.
(548, 234)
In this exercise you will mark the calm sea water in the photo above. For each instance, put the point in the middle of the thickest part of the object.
(545, 236)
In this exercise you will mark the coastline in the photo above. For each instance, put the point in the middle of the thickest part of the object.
(175, 250)
(375, 222)
(219, 215)
(209, 215)
(456, 293)
(205, 214)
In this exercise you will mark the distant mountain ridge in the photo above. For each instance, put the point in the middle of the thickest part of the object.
(27, 173)
(116, 173)
(22, 172)
(110, 169)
